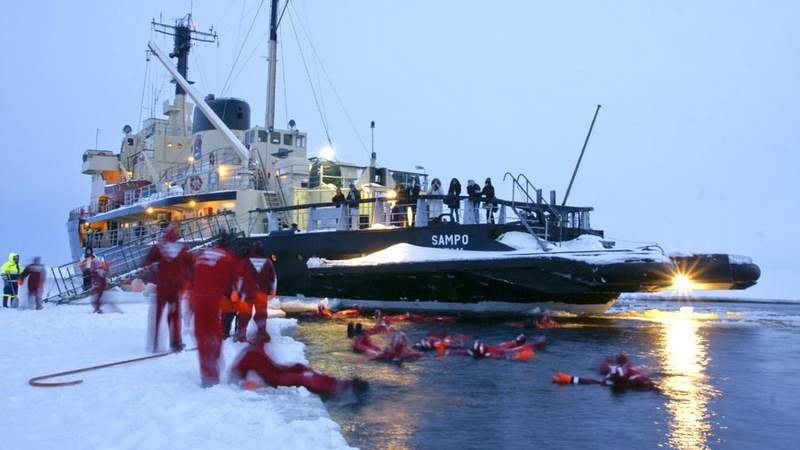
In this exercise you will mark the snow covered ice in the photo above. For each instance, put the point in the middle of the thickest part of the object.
(152, 404)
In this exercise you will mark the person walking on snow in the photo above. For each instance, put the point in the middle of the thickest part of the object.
(35, 274)
(259, 283)
(213, 278)
(85, 265)
(172, 276)
(99, 274)
(10, 270)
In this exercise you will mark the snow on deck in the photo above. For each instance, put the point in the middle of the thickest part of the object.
(585, 248)
(153, 404)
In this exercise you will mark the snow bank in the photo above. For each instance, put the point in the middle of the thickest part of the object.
(585, 248)
(152, 404)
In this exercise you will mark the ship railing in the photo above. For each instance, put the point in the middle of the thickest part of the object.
(127, 257)
(386, 212)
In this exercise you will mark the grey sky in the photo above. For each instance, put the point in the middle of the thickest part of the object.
(695, 147)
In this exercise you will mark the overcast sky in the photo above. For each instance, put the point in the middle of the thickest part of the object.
(695, 146)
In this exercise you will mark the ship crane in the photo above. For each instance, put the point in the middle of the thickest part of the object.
(200, 102)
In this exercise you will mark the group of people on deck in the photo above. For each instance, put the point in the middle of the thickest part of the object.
(224, 283)
(404, 209)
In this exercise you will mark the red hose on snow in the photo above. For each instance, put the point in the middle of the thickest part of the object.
(36, 381)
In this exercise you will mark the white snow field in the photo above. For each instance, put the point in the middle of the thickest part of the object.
(152, 404)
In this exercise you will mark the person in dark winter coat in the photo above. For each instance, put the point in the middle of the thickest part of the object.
(453, 202)
(474, 202)
(353, 197)
(338, 199)
(399, 208)
(489, 200)
(35, 275)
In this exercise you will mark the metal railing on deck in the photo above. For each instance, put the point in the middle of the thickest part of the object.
(128, 257)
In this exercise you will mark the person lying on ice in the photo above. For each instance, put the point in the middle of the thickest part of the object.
(397, 350)
(254, 360)
(617, 373)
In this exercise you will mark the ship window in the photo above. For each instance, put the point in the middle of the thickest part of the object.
(287, 139)
(130, 141)
(301, 141)
(262, 136)
(275, 137)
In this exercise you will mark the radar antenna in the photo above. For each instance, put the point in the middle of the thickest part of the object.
(184, 32)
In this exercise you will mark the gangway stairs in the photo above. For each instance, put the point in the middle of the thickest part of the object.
(124, 260)
(534, 214)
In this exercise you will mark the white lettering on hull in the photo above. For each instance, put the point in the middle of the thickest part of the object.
(450, 240)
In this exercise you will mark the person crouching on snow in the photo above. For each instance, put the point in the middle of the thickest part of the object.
(172, 274)
(253, 361)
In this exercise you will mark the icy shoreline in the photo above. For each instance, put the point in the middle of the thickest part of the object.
(151, 404)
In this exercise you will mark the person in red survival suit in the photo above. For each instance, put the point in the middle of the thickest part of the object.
(412, 317)
(254, 359)
(172, 275)
(618, 373)
(546, 322)
(99, 274)
(518, 349)
(347, 313)
(397, 350)
(354, 329)
(259, 280)
(442, 343)
(213, 278)
(35, 274)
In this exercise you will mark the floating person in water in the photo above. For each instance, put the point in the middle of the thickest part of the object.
(546, 322)
(355, 329)
(413, 317)
(442, 343)
(618, 373)
(518, 350)
(254, 360)
(347, 313)
(398, 350)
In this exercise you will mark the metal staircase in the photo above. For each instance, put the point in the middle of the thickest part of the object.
(534, 214)
(124, 260)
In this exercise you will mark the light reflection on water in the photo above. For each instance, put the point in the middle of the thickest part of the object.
(684, 355)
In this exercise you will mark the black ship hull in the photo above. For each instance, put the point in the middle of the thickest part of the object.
(549, 280)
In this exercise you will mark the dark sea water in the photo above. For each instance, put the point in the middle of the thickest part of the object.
(729, 377)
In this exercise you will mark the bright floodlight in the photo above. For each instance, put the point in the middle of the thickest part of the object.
(681, 282)
(327, 153)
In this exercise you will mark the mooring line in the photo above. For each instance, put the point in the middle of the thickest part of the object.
(36, 381)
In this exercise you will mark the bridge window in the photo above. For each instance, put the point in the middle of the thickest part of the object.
(301, 141)
(287, 139)
(275, 137)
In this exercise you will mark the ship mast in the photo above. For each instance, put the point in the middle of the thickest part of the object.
(269, 124)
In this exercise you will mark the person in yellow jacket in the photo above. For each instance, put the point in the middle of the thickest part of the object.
(10, 270)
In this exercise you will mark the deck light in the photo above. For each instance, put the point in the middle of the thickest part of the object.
(192, 203)
(390, 195)
(190, 159)
(327, 152)
(149, 210)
